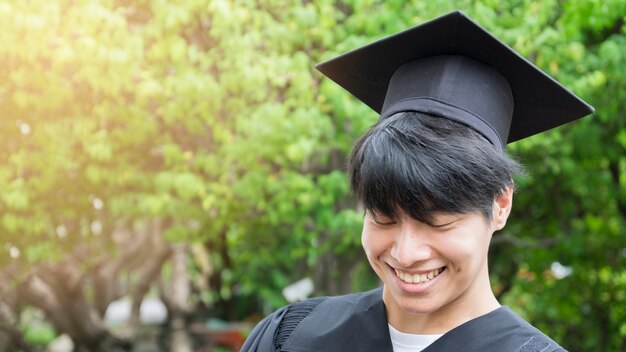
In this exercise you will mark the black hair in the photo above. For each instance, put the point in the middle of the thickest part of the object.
(421, 165)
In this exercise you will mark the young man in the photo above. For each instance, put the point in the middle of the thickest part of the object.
(435, 184)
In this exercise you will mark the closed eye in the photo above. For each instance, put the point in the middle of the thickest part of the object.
(444, 221)
(384, 223)
(442, 226)
(381, 220)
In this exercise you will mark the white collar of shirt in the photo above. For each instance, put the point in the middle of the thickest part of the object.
(410, 342)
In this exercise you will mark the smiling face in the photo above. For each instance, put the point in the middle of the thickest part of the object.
(437, 182)
(434, 272)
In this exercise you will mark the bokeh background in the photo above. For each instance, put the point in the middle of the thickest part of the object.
(190, 154)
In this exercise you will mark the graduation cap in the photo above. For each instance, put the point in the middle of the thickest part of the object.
(451, 67)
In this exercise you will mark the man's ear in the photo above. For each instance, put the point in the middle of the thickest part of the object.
(502, 208)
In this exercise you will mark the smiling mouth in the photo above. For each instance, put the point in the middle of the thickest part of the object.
(418, 278)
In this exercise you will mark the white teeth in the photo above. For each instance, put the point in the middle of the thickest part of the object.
(417, 278)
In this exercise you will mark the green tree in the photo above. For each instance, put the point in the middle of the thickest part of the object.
(137, 133)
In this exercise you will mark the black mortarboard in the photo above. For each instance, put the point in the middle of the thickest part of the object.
(453, 68)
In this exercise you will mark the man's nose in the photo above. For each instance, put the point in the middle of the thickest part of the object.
(411, 245)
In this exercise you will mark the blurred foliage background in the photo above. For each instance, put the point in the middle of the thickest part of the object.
(190, 150)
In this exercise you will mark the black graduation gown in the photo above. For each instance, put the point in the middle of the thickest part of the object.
(358, 322)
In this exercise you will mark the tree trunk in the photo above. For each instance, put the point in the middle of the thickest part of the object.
(11, 338)
(59, 289)
(62, 289)
(177, 299)
(69, 312)
(148, 273)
